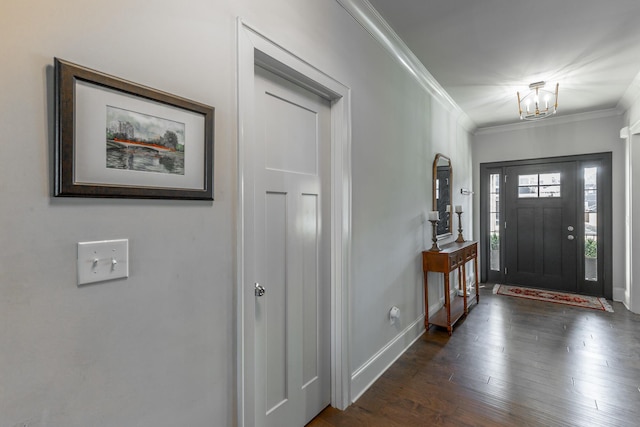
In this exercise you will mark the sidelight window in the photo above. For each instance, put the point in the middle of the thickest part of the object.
(494, 221)
(591, 223)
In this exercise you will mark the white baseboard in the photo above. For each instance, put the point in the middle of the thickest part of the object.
(619, 294)
(372, 369)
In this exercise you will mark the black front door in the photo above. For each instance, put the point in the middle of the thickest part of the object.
(541, 235)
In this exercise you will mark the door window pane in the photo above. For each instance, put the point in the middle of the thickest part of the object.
(590, 200)
(550, 178)
(525, 192)
(527, 180)
(550, 191)
(591, 177)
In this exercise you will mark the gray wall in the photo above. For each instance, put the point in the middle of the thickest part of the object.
(158, 349)
(563, 136)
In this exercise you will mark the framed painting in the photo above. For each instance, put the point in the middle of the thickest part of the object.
(115, 138)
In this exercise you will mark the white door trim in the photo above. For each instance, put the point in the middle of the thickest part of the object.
(255, 48)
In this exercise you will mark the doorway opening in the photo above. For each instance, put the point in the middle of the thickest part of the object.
(255, 51)
(547, 223)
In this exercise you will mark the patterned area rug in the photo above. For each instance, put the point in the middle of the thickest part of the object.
(552, 296)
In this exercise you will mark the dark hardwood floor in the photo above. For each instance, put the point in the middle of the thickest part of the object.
(511, 362)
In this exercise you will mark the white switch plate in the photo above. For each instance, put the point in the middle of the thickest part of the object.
(103, 260)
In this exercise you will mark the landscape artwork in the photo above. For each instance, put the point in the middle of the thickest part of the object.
(140, 142)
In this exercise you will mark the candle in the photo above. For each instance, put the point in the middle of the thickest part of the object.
(433, 216)
(448, 208)
(458, 208)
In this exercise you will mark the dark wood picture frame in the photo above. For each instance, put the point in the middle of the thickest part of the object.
(194, 177)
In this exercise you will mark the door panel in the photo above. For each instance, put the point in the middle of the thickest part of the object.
(273, 318)
(552, 240)
(292, 252)
(525, 240)
(311, 289)
(291, 148)
(541, 206)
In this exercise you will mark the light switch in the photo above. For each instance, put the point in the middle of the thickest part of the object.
(103, 260)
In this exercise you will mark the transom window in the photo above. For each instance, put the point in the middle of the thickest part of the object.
(539, 185)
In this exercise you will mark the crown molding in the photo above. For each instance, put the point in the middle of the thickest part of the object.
(553, 121)
(369, 18)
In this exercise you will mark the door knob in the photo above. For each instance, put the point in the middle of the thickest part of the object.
(570, 237)
(570, 228)
(259, 290)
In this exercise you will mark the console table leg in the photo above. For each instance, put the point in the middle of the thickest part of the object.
(463, 283)
(426, 302)
(475, 275)
(447, 301)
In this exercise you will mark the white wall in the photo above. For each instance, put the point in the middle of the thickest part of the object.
(631, 134)
(158, 349)
(562, 136)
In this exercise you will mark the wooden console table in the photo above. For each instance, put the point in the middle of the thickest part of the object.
(453, 256)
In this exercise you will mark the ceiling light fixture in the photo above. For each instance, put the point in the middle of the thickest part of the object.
(537, 104)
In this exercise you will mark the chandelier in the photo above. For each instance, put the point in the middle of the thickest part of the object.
(538, 103)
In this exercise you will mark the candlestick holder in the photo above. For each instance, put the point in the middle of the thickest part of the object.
(434, 236)
(460, 238)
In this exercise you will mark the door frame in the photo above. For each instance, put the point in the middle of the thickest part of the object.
(604, 201)
(254, 48)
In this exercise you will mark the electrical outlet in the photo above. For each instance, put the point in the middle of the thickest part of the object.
(394, 315)
(103, 260)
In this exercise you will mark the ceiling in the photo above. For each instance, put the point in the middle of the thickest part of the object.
(483, 51)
